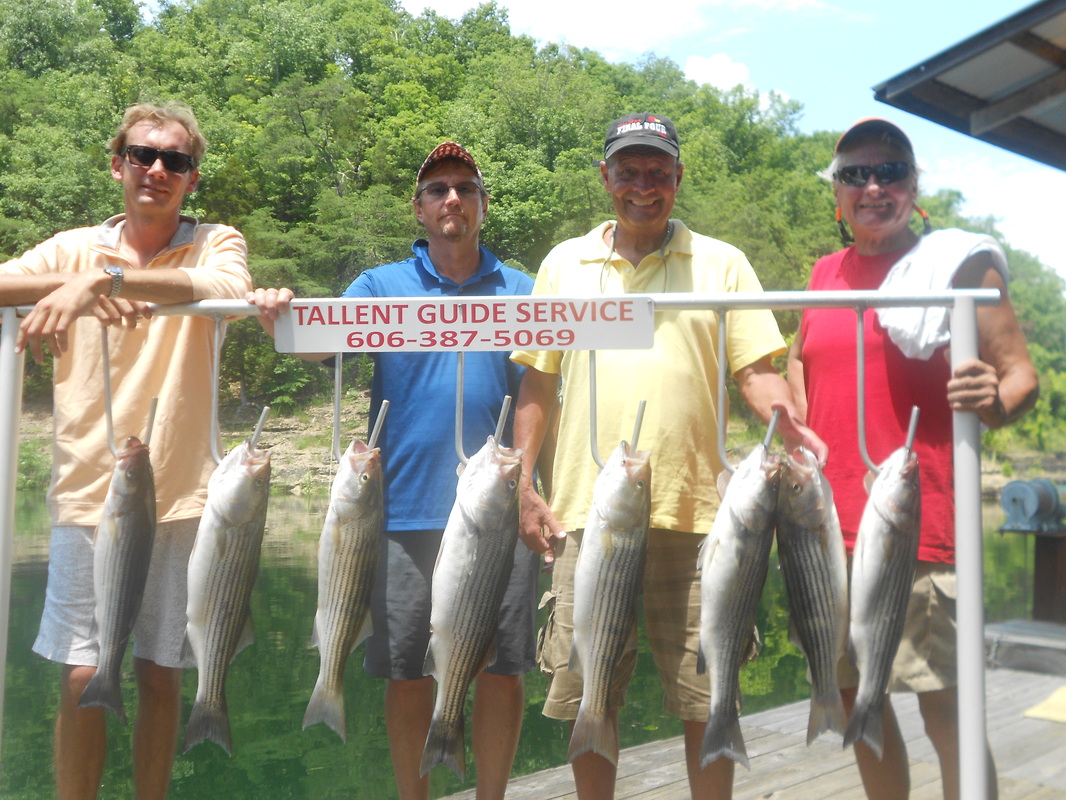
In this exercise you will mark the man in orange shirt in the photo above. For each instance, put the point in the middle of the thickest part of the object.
(149, 253)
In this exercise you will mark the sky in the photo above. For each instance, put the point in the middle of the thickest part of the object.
(826, 54)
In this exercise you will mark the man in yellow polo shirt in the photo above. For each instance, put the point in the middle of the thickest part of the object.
(645, 251)
(149, 253)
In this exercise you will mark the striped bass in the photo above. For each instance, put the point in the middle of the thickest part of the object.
(607, 582)
(469, 579)
(734, 560)
(814, 563)
(348, 554)
(222, 569)
(882, 577)
(122, 549)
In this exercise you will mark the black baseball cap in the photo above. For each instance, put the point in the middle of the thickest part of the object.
(648, 130)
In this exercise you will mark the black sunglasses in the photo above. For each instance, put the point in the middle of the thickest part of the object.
(889, 172)
(173, 160)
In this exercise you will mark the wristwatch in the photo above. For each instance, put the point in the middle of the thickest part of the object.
(116, 280)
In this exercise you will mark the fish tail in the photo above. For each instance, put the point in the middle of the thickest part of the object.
(593, 732)
(327, 705)
(446, 745)
(827, 714)
(103, 691)
(723, 738)
(867, 725)
(208, 722)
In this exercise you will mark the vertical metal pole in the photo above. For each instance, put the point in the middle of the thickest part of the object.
(10, 409)
(969, 566)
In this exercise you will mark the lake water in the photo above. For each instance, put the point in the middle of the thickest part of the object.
(270, 682)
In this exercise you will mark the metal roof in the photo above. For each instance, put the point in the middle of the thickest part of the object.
(1005, 85)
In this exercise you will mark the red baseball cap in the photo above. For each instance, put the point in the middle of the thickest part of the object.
(446, 150)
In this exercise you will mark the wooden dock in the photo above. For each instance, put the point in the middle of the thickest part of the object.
(1030, 755)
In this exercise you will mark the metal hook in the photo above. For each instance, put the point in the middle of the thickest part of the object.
(860, 373)
(382, 411)
(108, 413)
(723, 398)
(771, 429)
(593, 420)
(216, 434)
(460, 375)
(912, 430)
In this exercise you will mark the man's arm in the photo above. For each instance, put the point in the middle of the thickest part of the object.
(765, 391)
(63, 297)
(1002, 384)
(272, 303)
(533, 416)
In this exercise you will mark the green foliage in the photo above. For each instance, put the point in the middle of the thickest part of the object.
(34, 467)
(318, 113)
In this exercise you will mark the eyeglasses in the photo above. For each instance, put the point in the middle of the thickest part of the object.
(143, 156)
(439, 191)
(889, 172)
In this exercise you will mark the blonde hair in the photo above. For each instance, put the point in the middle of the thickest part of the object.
(171, 111)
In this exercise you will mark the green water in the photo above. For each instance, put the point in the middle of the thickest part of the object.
(270, 682)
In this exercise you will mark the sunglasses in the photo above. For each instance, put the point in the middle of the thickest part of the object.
(173, 160)
(889, 172)
(439, 191)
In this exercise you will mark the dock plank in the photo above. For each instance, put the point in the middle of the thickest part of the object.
(1030, 755)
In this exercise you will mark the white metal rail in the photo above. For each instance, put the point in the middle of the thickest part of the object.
(967, 449)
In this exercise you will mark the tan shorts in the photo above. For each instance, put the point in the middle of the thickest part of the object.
(925, 661)
(672, 624)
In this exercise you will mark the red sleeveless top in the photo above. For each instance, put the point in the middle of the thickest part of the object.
(894, 383)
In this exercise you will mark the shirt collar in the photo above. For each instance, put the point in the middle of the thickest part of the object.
(489, 264)
(110, 232)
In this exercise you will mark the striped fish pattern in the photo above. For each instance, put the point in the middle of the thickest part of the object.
(810, 547)
(222, 569)
(607, 582)
(469, 580)
(734, 560)
(122, 549)
(882, 577)
(348, 554)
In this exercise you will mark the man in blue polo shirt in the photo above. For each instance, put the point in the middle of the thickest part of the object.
(418, 444)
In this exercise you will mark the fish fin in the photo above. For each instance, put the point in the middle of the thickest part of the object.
(365, 630)
(445, 744)
(208, 722)
(722, 482)
(314, 633)
(751, 651)
(867, 725)
(868, 481)
(327, 706)
(701, 662)
(247, 633)
(593, 732)
(103, 691)
(723, 739)
(187, 653)
(429, 666)
(490, 655)
(827, 713)
(574, 664)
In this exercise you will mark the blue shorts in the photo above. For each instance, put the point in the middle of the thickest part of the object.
(400, 609)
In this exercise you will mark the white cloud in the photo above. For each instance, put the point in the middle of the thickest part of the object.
(718, 70)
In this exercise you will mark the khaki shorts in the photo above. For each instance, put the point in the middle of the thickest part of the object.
(672, 621)
(926, 659)
(66, 635)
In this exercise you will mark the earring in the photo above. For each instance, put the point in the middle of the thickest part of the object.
(845, 237)
(927, 226)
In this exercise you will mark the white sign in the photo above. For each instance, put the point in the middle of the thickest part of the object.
(416, 324)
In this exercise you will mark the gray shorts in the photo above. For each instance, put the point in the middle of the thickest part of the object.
(400, 609)
(66, 633)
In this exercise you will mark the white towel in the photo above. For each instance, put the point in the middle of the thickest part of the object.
(930, 266)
